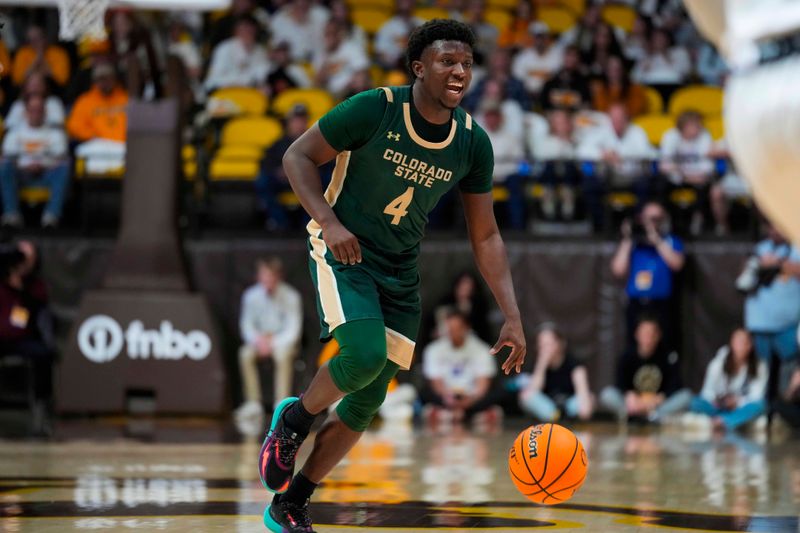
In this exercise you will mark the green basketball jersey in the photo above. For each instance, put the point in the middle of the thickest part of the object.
(388, 178)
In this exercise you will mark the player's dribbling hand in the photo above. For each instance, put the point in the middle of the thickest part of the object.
(342, 244)
(511, 335)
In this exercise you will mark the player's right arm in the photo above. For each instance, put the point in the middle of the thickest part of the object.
(301, 163)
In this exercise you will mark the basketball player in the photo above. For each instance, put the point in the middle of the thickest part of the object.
(397, 150)
(761, 41)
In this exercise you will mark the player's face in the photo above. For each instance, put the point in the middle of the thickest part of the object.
(446, 71)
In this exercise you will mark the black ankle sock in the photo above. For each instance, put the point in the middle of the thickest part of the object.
(300, 490)
(298, 419)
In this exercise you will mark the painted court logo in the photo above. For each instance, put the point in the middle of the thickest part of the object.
(101, 339)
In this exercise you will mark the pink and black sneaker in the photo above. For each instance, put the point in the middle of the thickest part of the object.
(287, 517)
(276, 459)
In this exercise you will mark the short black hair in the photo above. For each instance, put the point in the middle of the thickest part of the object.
(436, 30)
(452, 312)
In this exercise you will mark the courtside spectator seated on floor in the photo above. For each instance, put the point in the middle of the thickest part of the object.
(686, 162)
(270, 322)
(98, 121)
(38, 55)
(36, 85)
(559, 386)
(458, 370)
(648, 262)
(648, 382)
(789, 404)
(34, 155)
(239, 61)
(734, 385)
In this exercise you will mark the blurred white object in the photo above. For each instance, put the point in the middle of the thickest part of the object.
(101, 155)
(762, 105)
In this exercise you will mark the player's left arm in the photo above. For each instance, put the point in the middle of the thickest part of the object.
(492, 261)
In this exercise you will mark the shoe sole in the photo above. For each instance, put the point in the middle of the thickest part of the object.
(276, 416)
(270, 522)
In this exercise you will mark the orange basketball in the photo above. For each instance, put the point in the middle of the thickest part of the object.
(547, 463)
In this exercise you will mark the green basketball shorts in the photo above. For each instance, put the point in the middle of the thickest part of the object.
(367, 290)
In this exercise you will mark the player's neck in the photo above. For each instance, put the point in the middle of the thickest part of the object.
(427, 106)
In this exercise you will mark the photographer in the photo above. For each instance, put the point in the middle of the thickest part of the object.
(648, 256)
(772, 309)
(23, 301)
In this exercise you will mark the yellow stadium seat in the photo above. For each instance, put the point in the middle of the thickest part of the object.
(558, 19)
(253, 131)
(370, 18)
(655, 125)
(499, 18)
(716, 127)
(620, 16)
(376, 74)
(288, 199)
(388, 5)
(189, 159)
(34, 195)
(683, 197)
(705, 99)
(536, 191)
(500, 193)
(502, 4)
(239, 151)
(233, 169)
(655, 103)
(620, 201)
(576, 6)
(246, 100)
(428, 13)
(318, 102)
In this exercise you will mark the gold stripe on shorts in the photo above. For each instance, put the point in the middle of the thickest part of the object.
(399, 348)
(332, 310)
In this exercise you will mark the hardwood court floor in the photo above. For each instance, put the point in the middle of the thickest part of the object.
(639, 480)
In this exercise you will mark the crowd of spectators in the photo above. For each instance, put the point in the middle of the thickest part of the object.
(560, 104)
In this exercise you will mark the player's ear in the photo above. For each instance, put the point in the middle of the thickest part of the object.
(418, 68)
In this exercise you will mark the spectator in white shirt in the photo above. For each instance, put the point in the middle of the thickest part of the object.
(458, 370)
(392, 37)
(685, 160)
(181, 45)
(663, 64)
(239, 61)
(509, 151)
(34, 155)
(735, 385)
(301, 24)
(271, 322)
(340, 12)
(624, 151)
(36, 85)
(560, 176)
(533, 66)
(711, 68)
(285, 74)
(339, 60)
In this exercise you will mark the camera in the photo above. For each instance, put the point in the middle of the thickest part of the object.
(754, 276)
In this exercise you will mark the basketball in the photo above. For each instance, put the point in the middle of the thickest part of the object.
(547, 463)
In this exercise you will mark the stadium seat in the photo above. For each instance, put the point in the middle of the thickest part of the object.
(620, 16)
(499, 18)
(239, 100)
(34, 195)
(576, 6)
(705, 99)
(251, 131)
(500, 193)
(683, 197)
(428, 13)
(621, 201)
(501, 4)
(655, 125)
(370, 18)
(715, 126)
(318, 102)
(189, 159)
(222, 169)
(558, 19)
(655, 102)
(374, 4)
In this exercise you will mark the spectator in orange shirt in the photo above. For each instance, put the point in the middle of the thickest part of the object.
(616, 87)
(100, 112)
(39, 55)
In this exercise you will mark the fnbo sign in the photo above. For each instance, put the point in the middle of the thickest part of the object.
(101, 339)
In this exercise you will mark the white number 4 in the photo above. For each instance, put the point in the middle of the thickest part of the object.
(398, 207)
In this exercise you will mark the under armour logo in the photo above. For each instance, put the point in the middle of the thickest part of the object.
(392, 135)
